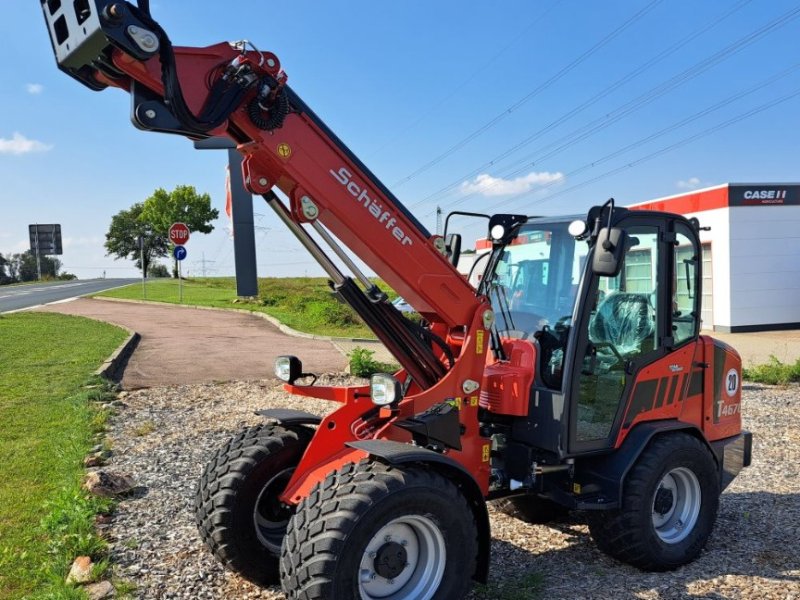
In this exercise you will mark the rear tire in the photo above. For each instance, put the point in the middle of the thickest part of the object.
(669, 506)
(374, 531)
(532, 509)
(237, 510)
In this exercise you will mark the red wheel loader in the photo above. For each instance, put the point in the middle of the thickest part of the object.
(572, 378)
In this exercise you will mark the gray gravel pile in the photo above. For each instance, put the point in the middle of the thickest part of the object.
(163, 437)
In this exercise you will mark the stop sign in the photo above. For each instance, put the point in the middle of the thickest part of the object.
(179, 234)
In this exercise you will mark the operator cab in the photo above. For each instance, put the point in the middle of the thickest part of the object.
(594, 331)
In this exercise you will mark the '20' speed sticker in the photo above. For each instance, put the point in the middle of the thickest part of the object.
(732, 382)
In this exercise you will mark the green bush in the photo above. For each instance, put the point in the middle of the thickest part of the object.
(363, 365)
(158, 270)
(774, 372)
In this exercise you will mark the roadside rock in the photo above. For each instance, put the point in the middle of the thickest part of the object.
(81, 570)
(100, 591)
(93, 460)
(104, 483)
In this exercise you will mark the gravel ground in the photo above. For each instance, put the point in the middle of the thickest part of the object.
(163, 436)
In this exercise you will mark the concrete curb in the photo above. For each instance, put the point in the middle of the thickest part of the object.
(112, 367)
(284, 328)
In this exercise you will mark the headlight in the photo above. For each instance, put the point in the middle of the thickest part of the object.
(288, 368)
(385, 389)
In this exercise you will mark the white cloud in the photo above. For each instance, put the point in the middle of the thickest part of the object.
(690, 184)
(34, 88)
(19, 144)
(486, 185)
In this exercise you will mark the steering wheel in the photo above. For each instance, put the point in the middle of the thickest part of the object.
(610, 346)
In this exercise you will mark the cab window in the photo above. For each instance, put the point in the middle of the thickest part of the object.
(685, 286)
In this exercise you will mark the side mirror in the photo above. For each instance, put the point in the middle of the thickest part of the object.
(452, 245)
(608, 251)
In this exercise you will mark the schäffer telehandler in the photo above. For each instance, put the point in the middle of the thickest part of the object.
(574, 376)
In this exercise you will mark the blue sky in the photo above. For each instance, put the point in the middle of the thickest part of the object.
(432, 96)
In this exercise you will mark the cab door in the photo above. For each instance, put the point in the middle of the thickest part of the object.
(622, 328)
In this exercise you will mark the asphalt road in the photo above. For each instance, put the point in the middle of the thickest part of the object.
(17, 297)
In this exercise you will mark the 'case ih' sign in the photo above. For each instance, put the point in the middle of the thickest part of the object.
(764, 195)
(179, 234)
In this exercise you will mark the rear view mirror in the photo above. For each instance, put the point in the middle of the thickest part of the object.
(452, 245)
(609, 251)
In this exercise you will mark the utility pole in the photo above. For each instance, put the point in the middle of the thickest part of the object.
(38, 256)
(203, 262)
(438, 220)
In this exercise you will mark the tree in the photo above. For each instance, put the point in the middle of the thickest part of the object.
(181, 205)
(152, 219)
(122, 239)
(22, 267)
(4, 278)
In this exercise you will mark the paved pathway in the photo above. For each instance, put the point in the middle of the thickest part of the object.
(185, 345)
(756, 348)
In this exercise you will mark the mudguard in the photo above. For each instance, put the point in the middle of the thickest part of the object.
(606, 474)
(287, 416)
(398, 453)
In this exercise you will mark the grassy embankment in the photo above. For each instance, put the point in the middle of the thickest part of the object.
(302, 303)
(47, 424)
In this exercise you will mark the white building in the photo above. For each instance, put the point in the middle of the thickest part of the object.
(751, 253)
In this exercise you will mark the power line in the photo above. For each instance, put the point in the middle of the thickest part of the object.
(443, 192)
(541, 87)
(732, 121)
(669, 129)
(468, 80)
(601, 123)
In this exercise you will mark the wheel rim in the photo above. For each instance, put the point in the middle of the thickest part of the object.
(270, 516)
(676, 505)
(404, 559)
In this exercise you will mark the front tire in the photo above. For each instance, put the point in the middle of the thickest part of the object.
(237, 510)
(374, 531)
(668, 509)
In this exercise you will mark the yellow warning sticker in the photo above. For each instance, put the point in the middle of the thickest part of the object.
(576, 488)
(479, 342)
(473, 401)
(284, 150)
(486, 453)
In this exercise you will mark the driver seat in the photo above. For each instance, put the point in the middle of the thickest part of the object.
(625, 320)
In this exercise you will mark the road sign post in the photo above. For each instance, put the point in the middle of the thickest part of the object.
(179, 235)
(141, 262)
(179, 252)
(45, 239)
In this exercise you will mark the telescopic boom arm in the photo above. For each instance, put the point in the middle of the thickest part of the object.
(228, 90)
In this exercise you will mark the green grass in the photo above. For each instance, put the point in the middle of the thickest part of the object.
(774, 372)
(46, 426)
(302, 303)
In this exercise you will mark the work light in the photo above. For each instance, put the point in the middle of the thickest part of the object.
(288, 368)
(385, 389)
